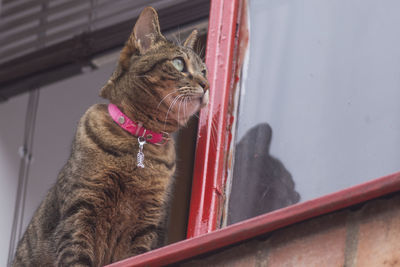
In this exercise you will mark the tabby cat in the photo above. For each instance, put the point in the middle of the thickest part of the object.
(106, 207)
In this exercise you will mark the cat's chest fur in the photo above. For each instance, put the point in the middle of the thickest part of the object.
(108, 163)
(126, 201)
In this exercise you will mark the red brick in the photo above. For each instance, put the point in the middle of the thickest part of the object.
(379, 235)
(320, 242)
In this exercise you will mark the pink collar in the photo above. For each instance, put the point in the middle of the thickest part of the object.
(136, 128)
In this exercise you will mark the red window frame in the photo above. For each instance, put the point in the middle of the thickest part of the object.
(210, 171)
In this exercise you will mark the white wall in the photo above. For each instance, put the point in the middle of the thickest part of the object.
(12, 115)
(60, 107)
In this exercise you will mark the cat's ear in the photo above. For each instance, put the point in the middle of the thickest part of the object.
(146, 32)
(191, 40)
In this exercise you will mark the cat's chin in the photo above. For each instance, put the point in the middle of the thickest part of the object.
(184, 114)
(205, 99)
(182, 110)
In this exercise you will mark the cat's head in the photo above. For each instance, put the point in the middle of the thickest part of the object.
(161, 82)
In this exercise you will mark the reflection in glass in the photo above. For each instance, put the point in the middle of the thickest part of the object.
(325, 76)
(261, 183)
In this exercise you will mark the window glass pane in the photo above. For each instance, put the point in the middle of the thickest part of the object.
(319, 105)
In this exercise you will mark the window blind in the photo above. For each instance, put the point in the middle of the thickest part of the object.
(43, 35)
(29, 25)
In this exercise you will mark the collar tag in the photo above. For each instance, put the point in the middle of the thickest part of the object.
(140, 154)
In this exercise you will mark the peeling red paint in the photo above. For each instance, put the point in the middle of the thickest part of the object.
(209, 164)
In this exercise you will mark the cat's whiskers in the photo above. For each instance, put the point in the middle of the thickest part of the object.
(170, 107)
(202, 54)
(185, 87)
(200, 50)
(189, 94)
(158, 106)
(184, 108)
(183, 101)
(192, 94)
(214, 132)
(179, 109)
(179, 37)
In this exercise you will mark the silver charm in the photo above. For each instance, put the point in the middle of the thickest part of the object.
(140, 155)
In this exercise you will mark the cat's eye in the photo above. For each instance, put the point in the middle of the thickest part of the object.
(204, 72)
(179, 64)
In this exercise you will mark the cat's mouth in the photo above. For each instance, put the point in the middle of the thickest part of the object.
(205, 98)
(194, 104)
(202, 97)
(181, 107)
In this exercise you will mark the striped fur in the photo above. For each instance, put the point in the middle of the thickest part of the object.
(104, 208)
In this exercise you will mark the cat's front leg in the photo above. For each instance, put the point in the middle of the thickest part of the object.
(138, 242)
(144, 241)
(75, 236)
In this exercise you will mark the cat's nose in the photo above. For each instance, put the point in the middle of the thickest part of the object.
(204, 84)
(202, 81)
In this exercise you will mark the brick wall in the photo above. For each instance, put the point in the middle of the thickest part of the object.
(366, 235)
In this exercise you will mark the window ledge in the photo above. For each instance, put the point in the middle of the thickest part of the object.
(265, 223)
